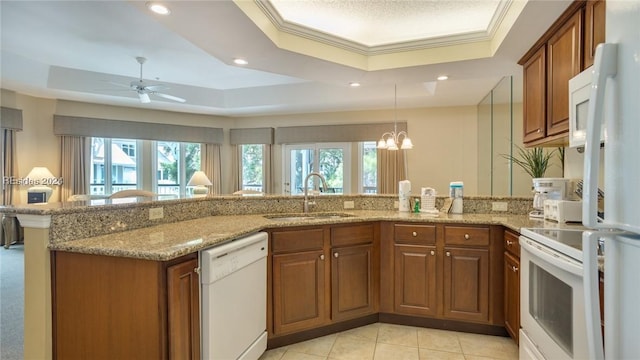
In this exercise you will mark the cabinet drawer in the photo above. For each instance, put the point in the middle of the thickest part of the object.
(466, 235)
(511, 243)
(415, 234)
(351, 235)
(297, 240)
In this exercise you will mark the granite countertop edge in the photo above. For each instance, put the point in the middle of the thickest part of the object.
(169, 241)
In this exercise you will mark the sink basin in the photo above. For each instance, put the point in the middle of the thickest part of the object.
(307, 217)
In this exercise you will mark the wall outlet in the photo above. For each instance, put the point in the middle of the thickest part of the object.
(156, 213)
(349, 204)
(499, 206)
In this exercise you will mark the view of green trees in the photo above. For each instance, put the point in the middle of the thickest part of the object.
(252, 165)
(171, 152)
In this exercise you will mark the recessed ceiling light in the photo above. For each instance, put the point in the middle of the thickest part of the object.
(158, 8)
(354, 84)
(239, 61)
(443, 77)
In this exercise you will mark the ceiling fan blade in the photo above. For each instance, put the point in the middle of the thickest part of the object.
(170, 97)
(156, 87)
(144, 97)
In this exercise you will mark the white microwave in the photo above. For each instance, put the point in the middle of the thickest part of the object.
(579, 92)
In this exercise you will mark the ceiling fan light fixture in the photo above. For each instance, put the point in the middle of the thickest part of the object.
(144, 97)
(158, 8)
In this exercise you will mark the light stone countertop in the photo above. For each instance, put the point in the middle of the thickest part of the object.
(168, 241)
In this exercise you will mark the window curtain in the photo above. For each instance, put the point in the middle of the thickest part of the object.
(10, 164)
(267, 169)
(74, 166)
(235, 167)
(392, 168)
(212, 166)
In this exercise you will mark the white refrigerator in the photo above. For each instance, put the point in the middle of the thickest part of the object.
(614, 100)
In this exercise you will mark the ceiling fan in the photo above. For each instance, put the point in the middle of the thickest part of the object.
(144, 89)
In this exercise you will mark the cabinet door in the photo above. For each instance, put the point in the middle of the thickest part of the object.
(298, 291)
(564, 52)
(594, 29)
(183, 290)
(415, 280)
(466, 284)
(535, 101)
(352, 282)
(512, 295)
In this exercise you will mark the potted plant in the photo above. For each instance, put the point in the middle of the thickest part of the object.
(534, 161)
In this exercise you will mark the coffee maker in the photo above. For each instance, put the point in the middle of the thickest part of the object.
(547, 188)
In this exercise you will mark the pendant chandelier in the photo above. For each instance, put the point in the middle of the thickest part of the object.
(394, 139)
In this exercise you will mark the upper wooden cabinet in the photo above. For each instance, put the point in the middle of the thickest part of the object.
(594, 24)
(560, 54)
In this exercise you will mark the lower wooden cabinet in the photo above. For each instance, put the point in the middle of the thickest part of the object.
(466, 284)
(322, 275)
(298, 291)
(415, 280)
(107, 307)
(512, 284)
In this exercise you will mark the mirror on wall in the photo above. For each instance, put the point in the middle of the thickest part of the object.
(495, 138)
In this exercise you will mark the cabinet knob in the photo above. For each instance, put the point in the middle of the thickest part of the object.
(322, 257)
(335, 254)
(414, 234)
(196, 270)
(539, 131)
(433, 252)
(448, 253)
(509, 242)
(514, 268)
(466, 236)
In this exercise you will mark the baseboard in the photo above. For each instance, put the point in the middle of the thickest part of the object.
(442, 324)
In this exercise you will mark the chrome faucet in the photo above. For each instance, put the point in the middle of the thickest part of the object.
(306, 189)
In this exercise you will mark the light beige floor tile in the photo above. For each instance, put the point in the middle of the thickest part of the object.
(472, 357)
(398, 335)
(429, 354)
(395, 352)
(367, 332)
(292, 355)
(273, 354)
(442, 340)
(488, 346)
(346, 348)
(320, 346)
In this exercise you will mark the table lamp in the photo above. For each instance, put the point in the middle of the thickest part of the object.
(39, 176)
(199, 181)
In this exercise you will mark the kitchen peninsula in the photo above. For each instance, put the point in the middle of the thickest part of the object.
(122, 232)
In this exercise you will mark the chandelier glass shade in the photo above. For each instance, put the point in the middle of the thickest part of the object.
(395, 140)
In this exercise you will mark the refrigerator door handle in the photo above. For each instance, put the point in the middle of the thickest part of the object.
(591, 294)
(604, 66)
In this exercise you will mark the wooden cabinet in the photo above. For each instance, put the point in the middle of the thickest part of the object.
(322, 275)
(106, 307)
(594, 29)
(512, 284)
(561, 53)
(298, 280)
(445, 271)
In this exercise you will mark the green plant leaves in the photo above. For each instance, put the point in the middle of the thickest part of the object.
(533, 161)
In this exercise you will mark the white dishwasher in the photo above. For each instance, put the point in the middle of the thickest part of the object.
(234, 299)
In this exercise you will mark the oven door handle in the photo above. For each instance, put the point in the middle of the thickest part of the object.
(563, 262)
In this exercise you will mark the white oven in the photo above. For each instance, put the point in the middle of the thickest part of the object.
(552, 296)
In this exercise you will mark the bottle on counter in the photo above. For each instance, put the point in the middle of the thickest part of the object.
(455, 193)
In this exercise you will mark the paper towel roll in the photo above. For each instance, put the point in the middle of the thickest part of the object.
(404, 194)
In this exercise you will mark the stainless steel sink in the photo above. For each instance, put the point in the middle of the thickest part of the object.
(307, 217)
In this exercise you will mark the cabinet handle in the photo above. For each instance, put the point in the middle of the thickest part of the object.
(433, 252)
(514, 268)
(448, 253)
(196, 270)
(466, 236)
(322, 257)
(414, 234)
(509, 242)
(335, 254)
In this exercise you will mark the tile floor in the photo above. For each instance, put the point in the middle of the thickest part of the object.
(397, 342)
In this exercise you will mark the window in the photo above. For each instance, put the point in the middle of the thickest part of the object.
(252, 165)
(175, 163)
(116, 165)
(113, 169)
(329, 159)
(368, 167)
